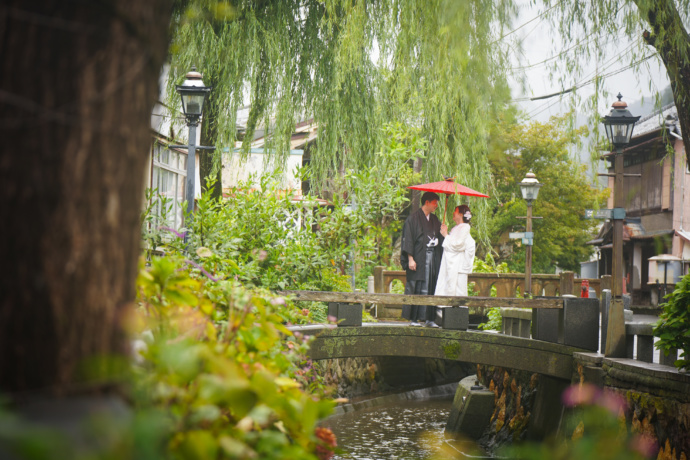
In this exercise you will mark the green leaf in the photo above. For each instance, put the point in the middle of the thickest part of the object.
(204, 252)
(235, 448)
(235, 393)
(198, 445)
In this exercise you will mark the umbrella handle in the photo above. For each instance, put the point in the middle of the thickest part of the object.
(445, 209)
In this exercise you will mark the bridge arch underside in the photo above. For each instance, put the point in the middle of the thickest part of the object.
(467, 346)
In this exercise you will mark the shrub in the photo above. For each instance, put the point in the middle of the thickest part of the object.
(217, 375)
(673, 328)
(495, 320)
(219, 360)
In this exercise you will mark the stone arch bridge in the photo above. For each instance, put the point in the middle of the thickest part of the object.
(476, 347)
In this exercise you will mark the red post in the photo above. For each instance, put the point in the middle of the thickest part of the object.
(584, 290)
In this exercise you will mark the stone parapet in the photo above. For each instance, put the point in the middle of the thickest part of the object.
(517, 322)
(657, 396)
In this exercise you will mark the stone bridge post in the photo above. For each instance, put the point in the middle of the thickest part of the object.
(378, 279)
(567, 283)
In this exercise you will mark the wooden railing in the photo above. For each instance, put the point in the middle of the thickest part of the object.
(507, 285)
(437, 300)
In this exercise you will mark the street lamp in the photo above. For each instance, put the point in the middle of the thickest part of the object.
(619, 124)
(193, 94)
(529, 186)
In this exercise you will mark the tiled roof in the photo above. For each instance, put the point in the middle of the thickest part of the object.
(667, 116)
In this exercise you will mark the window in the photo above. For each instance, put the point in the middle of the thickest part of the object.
(169, 175)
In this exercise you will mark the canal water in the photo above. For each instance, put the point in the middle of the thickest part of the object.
(399, 430)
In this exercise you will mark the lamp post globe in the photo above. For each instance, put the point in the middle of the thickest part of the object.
(193, 93)
(529, 186)
(619, 123)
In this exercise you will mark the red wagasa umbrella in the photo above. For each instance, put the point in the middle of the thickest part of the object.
(448, 187)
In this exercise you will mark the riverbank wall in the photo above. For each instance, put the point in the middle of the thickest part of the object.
(360, 378)
(529, 406)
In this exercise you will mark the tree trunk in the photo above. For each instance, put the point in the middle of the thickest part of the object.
(78, 84)
(672, 41)
(208, 137)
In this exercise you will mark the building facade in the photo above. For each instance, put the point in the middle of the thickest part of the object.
(656, 234)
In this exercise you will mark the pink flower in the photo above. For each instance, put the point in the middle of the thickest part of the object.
(587, 393)
(645, 445)
(575, 395)
(611, 401)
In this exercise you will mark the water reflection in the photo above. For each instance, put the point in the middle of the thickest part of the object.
(403, 430)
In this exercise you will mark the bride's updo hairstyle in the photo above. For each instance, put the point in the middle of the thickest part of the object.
(465, 212)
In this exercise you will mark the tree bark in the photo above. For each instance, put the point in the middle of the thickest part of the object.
(78, 84)
(208, 137)
(672, 41)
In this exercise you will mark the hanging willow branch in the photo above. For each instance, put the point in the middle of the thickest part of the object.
(589, 28)
(353, 66)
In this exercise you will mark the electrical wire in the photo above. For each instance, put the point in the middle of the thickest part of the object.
(582, 84)
(540, 15)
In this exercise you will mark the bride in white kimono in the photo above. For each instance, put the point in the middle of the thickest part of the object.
(458, 255)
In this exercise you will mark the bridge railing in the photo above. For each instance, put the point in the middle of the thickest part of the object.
(567, 320)
(508, 285)
(434, 300)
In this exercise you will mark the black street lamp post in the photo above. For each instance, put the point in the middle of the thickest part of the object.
(619, 124)
(529, 186)
(193, 94)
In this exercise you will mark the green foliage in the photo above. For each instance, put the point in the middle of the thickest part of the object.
(354, 67)
(139, 435)
(641, 33)
(260, 236)
(217, 374)
(560, 237)
(488, 265)
(374, 197)
(495, 322)
(154, 220)
(220, 362)
(264, 239)
(673, 328)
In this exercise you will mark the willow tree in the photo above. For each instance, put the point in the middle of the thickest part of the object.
(653, 26)
(352, 66)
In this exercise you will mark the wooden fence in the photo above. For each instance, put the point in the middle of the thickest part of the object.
(507, 285)
(398, 300)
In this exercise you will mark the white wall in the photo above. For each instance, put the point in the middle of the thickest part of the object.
(235, 170)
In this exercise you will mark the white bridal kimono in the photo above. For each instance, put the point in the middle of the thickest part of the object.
(457, 261)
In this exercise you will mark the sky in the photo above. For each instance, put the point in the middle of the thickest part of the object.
(540, 41)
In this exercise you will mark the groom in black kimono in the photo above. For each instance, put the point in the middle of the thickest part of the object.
(420, 256)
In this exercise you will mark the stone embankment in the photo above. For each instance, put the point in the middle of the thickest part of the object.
(528, 406)
(375, 376)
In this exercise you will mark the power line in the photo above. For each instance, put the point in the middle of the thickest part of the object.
(548, 105)
(525, 23)
(586, 82)
(578, 44)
